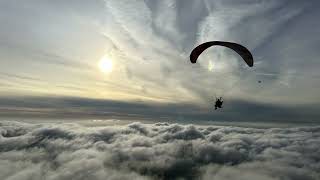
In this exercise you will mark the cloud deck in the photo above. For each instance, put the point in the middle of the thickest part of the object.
(157, 151)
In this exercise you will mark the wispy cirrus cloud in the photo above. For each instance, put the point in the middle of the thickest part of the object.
(149, 42)
(174, 28)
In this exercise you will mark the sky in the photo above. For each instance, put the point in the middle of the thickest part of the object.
(130, 59)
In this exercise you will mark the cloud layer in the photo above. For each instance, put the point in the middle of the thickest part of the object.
(157, 151)
(85, 108)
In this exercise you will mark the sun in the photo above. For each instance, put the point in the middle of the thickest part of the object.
(105, 65)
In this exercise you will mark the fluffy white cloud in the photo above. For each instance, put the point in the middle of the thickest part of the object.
(157, 151)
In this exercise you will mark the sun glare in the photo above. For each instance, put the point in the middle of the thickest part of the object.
(105, 65)
(210, 66)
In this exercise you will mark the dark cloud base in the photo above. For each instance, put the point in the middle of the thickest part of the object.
(157, 151)
(86, 108)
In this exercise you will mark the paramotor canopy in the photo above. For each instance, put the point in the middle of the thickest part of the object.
(241, 50)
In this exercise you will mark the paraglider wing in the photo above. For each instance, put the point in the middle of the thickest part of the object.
(241, 50)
